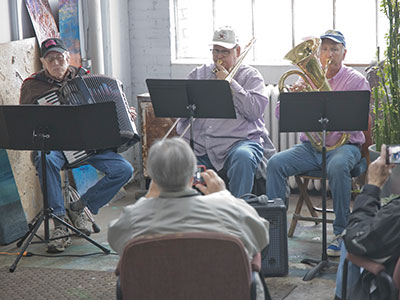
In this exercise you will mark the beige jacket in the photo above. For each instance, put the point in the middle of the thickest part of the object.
(188, 211)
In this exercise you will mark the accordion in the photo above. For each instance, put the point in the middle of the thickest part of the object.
(90, 89)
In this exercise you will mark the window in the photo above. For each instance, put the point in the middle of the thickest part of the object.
(278, 26)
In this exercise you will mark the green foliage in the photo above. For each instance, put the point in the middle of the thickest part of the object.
(386, 94)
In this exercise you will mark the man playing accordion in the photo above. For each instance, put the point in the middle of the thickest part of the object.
(117, 171)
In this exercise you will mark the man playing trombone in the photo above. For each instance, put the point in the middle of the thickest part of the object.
(235, 146)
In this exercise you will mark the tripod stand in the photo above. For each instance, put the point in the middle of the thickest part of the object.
(323, 111)
(43, 128)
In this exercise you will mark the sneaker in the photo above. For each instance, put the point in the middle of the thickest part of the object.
(79, 221)
(59, 244)
(334, 247)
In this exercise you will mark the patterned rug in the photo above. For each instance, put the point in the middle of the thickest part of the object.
(44, 283)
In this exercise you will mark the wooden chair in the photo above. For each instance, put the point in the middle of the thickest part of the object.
(182, 266)
(303, 180)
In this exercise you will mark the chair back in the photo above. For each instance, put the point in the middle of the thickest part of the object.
(391, 285)
(182, 266)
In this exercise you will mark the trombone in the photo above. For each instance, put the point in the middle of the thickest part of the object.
(229, 77)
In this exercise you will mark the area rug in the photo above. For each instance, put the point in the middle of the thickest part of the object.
(46, 283)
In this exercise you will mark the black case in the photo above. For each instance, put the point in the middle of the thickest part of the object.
(275, 255)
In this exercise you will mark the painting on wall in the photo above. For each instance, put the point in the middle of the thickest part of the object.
(13, 223)
(69, 29)
(42, 19)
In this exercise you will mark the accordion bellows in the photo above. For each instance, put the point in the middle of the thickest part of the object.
(90, 89)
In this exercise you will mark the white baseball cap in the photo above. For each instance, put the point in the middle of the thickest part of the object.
(225, 37)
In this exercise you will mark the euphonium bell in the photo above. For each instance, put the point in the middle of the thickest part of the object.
(304, 56)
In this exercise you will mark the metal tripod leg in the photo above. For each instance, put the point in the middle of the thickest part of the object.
(30, 234)
(81, 234)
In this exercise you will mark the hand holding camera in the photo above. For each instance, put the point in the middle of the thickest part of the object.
(393, 154)
(213, 183)
(197, 178)
(380, 169)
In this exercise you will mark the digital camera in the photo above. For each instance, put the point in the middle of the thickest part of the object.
(198, 179)
(393, 154)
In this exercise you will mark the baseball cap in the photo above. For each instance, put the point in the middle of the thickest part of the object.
(52, 44)
(335, 36)
(225, 37)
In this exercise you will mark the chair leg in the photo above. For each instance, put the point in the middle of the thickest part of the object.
(303, 197)
(306, 197)
(295, 217)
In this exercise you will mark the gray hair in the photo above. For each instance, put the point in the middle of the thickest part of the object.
(171, 164)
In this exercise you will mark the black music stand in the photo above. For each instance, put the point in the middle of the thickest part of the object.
(45, 128)
(323, 111)
(191, 98)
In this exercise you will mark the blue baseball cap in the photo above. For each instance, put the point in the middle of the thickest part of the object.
(335, 36)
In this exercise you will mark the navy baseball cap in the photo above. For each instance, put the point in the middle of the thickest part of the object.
(52, 44)
(335, 36)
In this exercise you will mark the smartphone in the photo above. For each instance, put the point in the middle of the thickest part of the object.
(197, 177)
(393, 154)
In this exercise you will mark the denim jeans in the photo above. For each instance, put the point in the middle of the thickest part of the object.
(353, 273)
(303, 158)
(240, 164)
(117, 171)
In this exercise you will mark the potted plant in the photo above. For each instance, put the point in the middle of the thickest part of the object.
(386, 89)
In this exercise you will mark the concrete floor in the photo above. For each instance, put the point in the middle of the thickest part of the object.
(306, 243)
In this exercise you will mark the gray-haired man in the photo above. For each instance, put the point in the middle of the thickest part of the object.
(170, 199)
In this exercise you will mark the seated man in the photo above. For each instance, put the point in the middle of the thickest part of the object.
(233, 145)
(339, 161)
(170, 199)
(55, 73)
(372, 231)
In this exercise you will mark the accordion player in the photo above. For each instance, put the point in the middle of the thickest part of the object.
(90, 89)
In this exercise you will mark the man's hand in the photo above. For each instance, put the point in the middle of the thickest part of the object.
(133, 113)
(299, 86)
(221, 71)
(213, 182)
(153, 191)
(379, 171)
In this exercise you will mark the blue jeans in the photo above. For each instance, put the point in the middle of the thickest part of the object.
(303, 158)
(117, 171)
(240, 164)
(353, 273)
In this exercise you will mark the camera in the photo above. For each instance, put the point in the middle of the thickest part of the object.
(393, 154)
(197, 177)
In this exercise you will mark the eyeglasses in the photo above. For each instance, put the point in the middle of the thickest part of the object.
(224, 52)
(59, 58)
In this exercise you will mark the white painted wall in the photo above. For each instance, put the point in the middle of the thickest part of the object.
(137, 43)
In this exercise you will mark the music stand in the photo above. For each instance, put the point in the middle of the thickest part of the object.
(191, 98)
(46, 128)
(323, 111)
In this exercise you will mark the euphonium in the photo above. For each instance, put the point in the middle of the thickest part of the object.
(304, 56)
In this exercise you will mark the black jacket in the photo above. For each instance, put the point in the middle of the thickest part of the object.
(373, 231)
